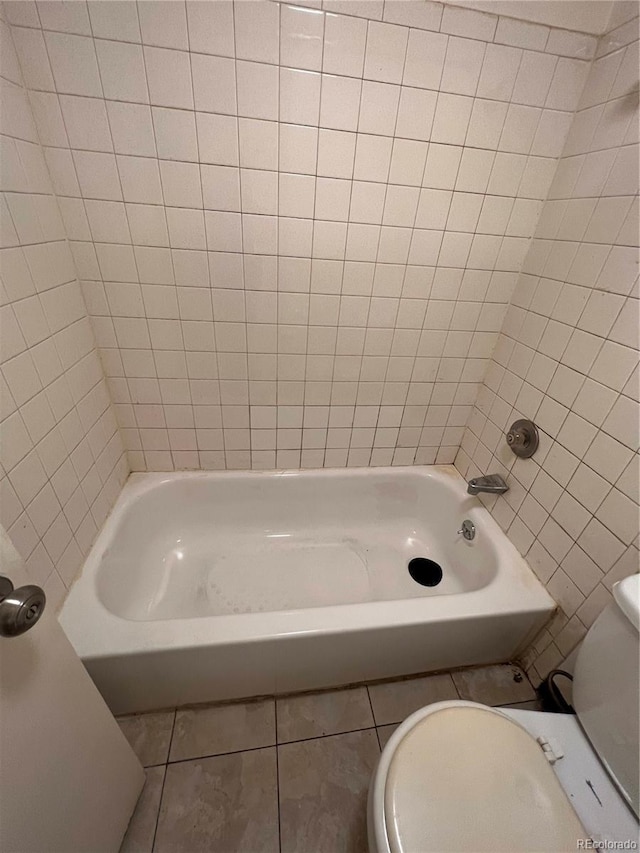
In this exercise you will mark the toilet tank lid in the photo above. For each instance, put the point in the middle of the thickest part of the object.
(627, 595)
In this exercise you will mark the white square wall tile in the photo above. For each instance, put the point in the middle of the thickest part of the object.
(442, 166)
(148, 227)
(400, 205)
(332, 199)
(299, 96)
(169, 78)
(468, 23)
(462, 67)
(257, 30)
(567, 84)
(220, 187)
(433, 209)
(301, 37)
(131, 129)
(214, 84)
(140, 179)
(451, 119)
(259, 191)
(257, 90)
(521, 34)
(622, 422)
(408, 161)
(415, 113)
(74, 64)
(385, 53)
(344, 45)
(619, 515)
(426, 16)
(425, 59)
(602, 546)
(186, 228)
(499, 71)
(122, 71)
(614, 365)
(217, 139)
(97, 175)
(373, 158)
(86, 123)
(534, 78)
(163, 23)
(175, 132)
(486, 123)
(115, 20)
(367, 202)
(211, 27)
(34, 62)
(340, 102)
(298, 149)
(378, 108)
(181, 184)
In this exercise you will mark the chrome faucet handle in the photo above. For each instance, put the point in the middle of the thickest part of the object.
(523, 438)
(468, 530)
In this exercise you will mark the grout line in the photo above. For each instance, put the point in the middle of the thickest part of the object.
(544, 52)
(311, 260)
(606, 244)
(164, 779)
(395, 447)
(216, 350)
(190, 111)
(373, 715)
(275, 745)
(126, 215)
(369, 297)
(275, 711)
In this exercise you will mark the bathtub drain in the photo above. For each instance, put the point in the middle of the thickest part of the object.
(424, 571)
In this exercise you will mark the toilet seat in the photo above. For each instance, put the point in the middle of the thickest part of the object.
(459, 776)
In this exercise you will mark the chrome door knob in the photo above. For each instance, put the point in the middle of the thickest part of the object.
(20, 608)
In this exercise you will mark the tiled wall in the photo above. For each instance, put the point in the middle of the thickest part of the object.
(568, 358)
(62, 463)
(297, 229)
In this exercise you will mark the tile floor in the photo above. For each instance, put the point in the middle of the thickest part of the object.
(288, 774)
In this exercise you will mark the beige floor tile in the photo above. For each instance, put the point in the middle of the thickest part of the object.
(385, 732)
(323, 793)
(493, 685)
(317, 714)
(394, 701)
(142, 826)
(224, 804)
(223, 728)
(149, 735)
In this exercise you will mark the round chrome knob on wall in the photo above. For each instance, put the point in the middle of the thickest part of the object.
(20, 608)
(523, 438)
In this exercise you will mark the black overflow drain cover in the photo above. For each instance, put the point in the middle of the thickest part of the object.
(425, 572)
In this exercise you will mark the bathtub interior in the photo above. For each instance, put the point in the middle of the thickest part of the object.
(200, 546)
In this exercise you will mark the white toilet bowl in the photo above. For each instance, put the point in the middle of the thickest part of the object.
(460, 776)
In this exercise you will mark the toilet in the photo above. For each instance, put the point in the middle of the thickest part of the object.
(461, 776)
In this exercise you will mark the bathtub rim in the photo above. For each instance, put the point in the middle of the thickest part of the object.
(97, 633)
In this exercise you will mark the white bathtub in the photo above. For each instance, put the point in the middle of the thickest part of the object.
(210, 586)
